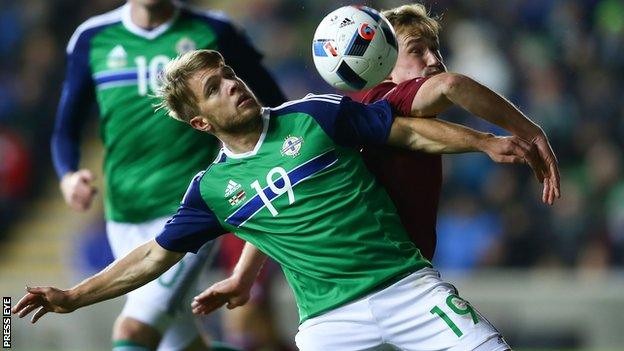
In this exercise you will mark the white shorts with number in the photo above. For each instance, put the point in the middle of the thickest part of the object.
(419, 312)
(165, 302)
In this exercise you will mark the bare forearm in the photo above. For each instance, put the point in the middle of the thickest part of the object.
(140, 266)
(485, 103)
(249, 264)
(435, 136)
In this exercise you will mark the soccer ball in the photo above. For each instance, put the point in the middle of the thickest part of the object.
(354, 48)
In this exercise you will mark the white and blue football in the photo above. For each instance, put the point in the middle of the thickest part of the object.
(354, 48)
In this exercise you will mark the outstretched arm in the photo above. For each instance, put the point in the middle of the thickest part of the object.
(233, 291)
(437, 136)
(446, 89)
(140, 266)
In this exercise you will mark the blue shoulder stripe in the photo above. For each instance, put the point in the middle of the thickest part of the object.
(93, 25)
(311, 104)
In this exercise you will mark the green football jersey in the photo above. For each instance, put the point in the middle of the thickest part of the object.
(304, 197)
(149, 157)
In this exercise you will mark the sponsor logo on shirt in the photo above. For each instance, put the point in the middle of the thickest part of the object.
(117, 57)
(184, 45)
(292, 146)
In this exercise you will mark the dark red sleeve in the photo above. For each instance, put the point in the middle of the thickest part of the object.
(377, 93)
(400, 96)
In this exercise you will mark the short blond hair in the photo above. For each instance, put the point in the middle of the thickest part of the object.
(175, 94)
(413, 19)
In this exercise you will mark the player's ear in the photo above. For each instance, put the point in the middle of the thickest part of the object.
(201, 123)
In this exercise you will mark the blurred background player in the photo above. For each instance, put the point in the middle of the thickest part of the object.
(115, 59)
(414, 179)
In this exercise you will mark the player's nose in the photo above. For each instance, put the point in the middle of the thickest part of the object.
(232, 86)
(432, 58)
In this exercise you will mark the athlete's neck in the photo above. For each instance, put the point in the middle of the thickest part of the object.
(245, 139)
(150, 16)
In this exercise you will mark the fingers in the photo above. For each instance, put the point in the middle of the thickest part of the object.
(553, 192)
(25, 301)
(83, 195)
(40, 312)
(204, 295)
(545, 191)
(208, 302)
(549, 157)
(78, 190)
(528, 153)
(85, 175)
(237, 302)
(532, 157)
(24, 312)
(32, 297)
(554, 171)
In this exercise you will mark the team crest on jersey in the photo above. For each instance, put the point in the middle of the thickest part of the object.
(117, 57)
(292, 146)
(184, 45)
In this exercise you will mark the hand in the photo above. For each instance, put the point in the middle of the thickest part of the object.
(516, 150)
(512, 149)
(43, 300)
(230, 291)
(77, 189)
(552, 181)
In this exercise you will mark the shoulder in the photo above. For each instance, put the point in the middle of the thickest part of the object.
(311, 104)
(216, 19)
(220, 159)
(378, 92)
(90, 27)
(193, 197)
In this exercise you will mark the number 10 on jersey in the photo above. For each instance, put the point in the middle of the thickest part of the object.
(273, 185)
(149, 72)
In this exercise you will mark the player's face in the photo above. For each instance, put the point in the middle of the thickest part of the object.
(224, 99)
(418, 56)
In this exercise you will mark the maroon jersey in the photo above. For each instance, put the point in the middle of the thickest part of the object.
(412, 179)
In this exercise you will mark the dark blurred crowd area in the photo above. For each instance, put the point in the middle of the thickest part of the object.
(561, 62)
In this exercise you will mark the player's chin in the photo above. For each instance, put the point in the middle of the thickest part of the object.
(250, 108)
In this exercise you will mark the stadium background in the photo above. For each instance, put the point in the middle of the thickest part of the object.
(549, 278)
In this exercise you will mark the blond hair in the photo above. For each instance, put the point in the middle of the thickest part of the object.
(175, 94)
(413, 19)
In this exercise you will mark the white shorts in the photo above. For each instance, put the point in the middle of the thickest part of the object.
(164, 303)
(419, 312)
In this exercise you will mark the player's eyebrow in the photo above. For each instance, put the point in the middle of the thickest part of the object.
(227, 70)
(421, 40)
(212, 80)
(413, 41)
